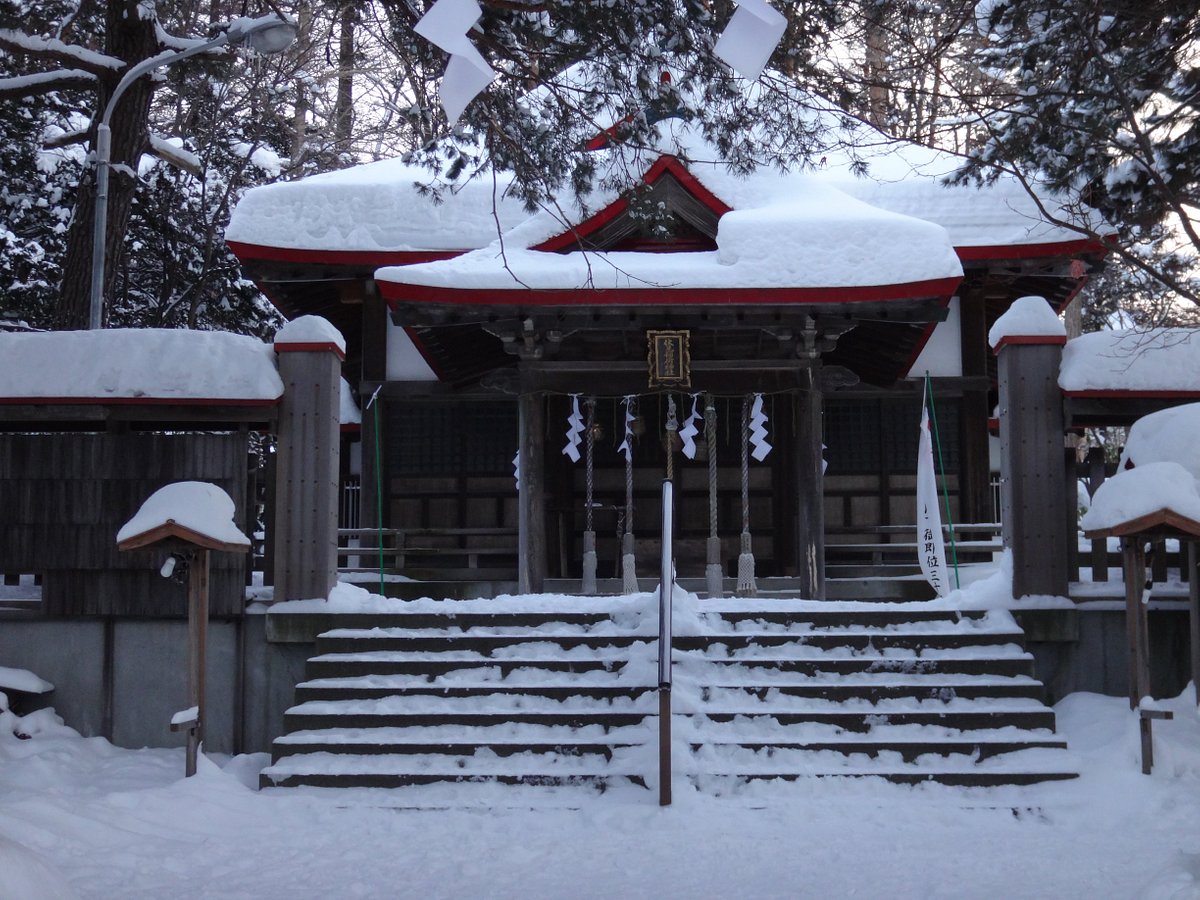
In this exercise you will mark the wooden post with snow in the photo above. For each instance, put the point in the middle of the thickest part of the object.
(310, 352)
(1028, 341)
(186, 520)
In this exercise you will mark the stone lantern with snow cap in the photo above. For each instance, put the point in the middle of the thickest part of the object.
(186, 520)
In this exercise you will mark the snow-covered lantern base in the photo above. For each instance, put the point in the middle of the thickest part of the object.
(186, 520)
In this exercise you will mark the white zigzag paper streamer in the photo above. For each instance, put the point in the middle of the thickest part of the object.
(627, 444)
(751, 37)
(758, 430)
(517, 470)
(574, 430)
(687, 434)
(445, 25)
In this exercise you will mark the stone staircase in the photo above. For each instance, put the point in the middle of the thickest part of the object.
(553, 691)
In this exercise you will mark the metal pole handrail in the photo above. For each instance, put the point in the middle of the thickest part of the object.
(665, 640)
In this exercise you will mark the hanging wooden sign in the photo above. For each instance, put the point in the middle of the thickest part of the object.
(669, 358)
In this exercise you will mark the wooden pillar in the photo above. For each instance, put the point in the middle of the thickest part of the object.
(532, 501)
(810, 501)
(974, 471)
(307, 460)
(1134, 560)
(1031, 452)
(197, 654)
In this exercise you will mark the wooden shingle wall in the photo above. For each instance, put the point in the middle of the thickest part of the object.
(63, 497)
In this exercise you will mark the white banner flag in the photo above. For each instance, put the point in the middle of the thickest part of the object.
(931, 549)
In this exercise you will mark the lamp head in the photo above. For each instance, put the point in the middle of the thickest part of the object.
(265, 34)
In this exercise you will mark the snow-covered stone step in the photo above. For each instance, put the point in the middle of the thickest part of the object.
(529, 643)
(979, 717)
(386, 662)
(398, 770)
(849, 640)
(491, 691)
(308, 716)
(696, 673)
(904, 751)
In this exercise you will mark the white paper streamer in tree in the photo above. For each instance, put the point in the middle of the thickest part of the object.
(574, 430)
(445, 25)
(687, 434)
(758, 430)
(627, 444)
(750, 37)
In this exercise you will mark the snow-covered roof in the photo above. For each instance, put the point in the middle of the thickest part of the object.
(1135, 362)
(1028, 317)
(373, 207)
(1143, 493)
(1169, 435)
(137, 364)
(381, 207)
(196, 510)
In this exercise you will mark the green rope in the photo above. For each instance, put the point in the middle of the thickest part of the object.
(378, 494)
(937, 440)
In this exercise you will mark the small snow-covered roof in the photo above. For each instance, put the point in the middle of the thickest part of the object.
(1028, 317)
(1153, 495)
(1155, 361)
(310, 330)
(1169, 435)
(195, 511)
(150, 365)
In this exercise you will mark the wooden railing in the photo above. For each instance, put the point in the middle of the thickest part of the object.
(450, 553)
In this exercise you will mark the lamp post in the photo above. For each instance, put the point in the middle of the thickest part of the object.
(266, 34)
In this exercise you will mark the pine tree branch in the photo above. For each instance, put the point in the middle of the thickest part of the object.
(54, 50)
(45, 83)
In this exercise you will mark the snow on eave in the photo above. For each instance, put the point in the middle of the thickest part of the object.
(1132, 362)
(137, 365)
(807, 236)
(374, 208)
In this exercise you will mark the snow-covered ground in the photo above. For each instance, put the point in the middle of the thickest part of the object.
(80, 817)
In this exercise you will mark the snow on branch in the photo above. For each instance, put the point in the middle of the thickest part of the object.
(44, 82)
(172, 151)
(54, 49)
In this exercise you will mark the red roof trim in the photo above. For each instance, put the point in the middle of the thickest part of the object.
(1018, 340)
(309, 347)
(396, 294)
(351, 428)
(1117, 394)
(1030, 251)
(137, 401)
(662, 165)
(375, 258)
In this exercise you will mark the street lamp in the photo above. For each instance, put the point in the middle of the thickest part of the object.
(265, 34)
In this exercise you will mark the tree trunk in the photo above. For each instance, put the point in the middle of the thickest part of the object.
(875, 67)
(129, 37)
(344, 114)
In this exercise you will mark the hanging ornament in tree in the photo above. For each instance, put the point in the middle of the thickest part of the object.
(758, 430)
(627, 444)
(574, 430)
(446, 26)
(687, 434)
(750, 37)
